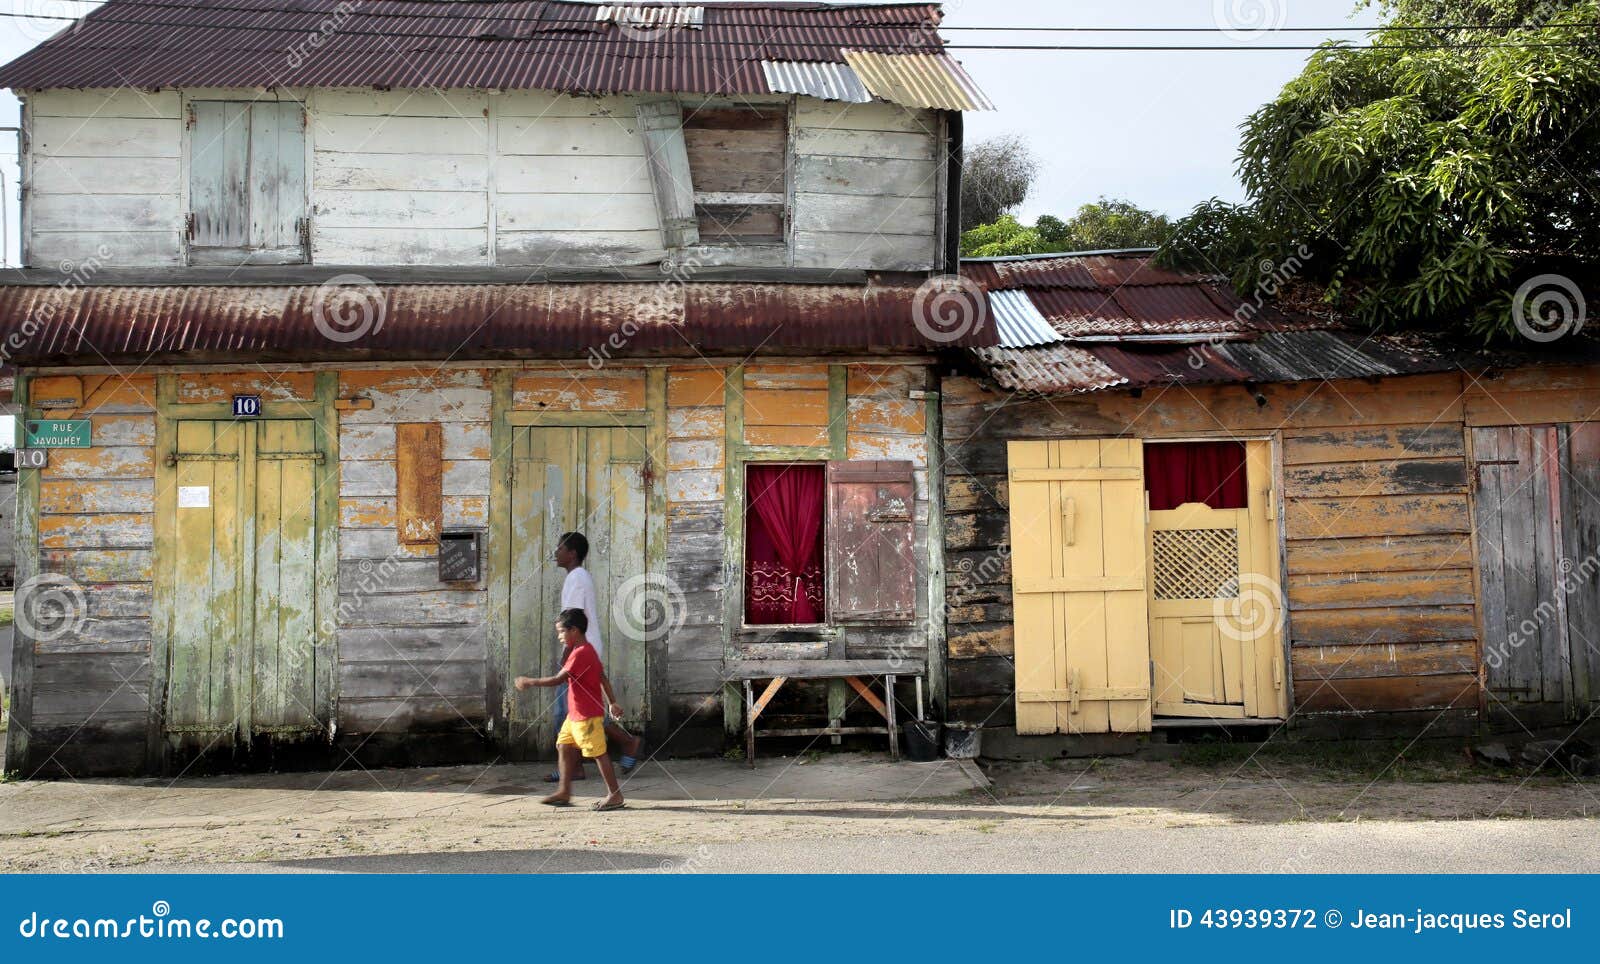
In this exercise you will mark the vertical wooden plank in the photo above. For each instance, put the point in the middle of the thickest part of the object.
(218, 167)
(277, 174)
(268, 690)
(936, 584)
(419, 482)
(838, 444)
(656, 667)
(20, 720)
(661, 124)
(1269, 686)
(1491, 555)
(233, 572)
(1127, 643)
(295, 625)
(325, 439)
(1034, 617)
(499, 697)
(733, 535)
(626, 656)
(1520, 528)
(1084, 622)
(165, 555)
(1581, 516)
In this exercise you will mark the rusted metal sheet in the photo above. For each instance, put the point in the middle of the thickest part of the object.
(419, 482)
(1054, 271)
(932, 80)
(533, 44)
(406, 321)
(825, 80)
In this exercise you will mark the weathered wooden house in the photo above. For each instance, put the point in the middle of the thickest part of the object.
(1167, 507)
(366, 304)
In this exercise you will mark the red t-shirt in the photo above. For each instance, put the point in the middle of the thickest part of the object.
(585, 698)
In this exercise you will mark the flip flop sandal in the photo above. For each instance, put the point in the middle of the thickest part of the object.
(607, 807)
(556, 803)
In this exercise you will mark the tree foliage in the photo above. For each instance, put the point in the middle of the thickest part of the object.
(996, 176)
(1102, 225)
(1427, 184)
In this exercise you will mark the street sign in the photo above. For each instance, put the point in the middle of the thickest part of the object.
(50, 433)
(32, 458)
(246, 406)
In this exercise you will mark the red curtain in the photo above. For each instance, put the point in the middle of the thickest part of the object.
(783, 555)
(1210, 472)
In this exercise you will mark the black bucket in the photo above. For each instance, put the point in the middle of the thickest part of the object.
(921, 740)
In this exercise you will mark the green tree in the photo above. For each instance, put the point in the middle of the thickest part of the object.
(1102, 225)
(996, 176)
(1425, 180)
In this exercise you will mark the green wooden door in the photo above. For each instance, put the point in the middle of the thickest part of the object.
(588, 480)
(243, 629)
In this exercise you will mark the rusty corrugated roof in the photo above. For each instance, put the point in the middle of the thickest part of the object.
(515, 44)
(1137, 325)
(97, 324)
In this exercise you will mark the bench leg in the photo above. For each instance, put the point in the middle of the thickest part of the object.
(749, 725)
(894, 731)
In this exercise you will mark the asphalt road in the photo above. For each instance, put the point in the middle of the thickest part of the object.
(1500, 846)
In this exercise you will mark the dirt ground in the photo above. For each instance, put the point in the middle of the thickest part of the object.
(112, 824)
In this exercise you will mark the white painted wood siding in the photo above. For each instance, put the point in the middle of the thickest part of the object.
(472, 178)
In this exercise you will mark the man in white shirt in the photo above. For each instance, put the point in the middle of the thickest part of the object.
(578, 592)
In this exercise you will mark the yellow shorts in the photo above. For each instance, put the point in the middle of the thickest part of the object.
(589, 736)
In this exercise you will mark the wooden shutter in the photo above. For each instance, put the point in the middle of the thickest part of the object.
(1078, 586)
(247, 182)
(872, 568)
(219, 163)
(661, 122)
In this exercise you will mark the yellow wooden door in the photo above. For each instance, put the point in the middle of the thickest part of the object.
(1078, 586)
(1216, 605)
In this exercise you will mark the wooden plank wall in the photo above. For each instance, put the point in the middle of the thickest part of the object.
(696, 454)
(466, 178)
(1379, 580)
(412, 653)
(107, 171)
(91, 687)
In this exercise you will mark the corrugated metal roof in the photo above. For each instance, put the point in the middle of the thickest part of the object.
(1019, 322)
(93, 325)
(827, 81)
(1142, 326)
(516, 44)
(933, 80)
(651, 17)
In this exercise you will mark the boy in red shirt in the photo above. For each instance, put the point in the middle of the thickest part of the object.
(584, 732)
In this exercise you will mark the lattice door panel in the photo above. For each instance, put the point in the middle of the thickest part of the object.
(1195, 563)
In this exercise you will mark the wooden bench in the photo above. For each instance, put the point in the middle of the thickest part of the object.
(852, 671)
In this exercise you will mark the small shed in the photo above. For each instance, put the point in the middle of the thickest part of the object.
(1169, 507)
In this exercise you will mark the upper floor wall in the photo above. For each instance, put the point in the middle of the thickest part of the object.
(470, 178)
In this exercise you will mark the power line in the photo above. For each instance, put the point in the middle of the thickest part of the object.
(769, 28)
(833, 45)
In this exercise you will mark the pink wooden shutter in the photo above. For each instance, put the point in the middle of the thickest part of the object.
(872, 569)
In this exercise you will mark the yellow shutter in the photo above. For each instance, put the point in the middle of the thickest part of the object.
(1078, 586)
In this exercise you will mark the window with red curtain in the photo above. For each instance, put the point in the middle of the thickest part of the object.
(1212, 473)
(784, 507)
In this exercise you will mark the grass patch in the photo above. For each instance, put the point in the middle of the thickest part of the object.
(1397, 761)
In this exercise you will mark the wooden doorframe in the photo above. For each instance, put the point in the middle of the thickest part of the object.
(169, 413)
(505, 419)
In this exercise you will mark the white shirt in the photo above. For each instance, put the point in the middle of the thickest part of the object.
(577, 592)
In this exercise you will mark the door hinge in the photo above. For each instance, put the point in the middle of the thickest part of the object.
(303, 227)
(188, 225)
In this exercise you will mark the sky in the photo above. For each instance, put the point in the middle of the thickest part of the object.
(1160, 129)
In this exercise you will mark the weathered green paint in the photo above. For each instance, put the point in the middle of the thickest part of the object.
(20, 719)
(245, 587)
(937, 654)
(53, 433)
(655, 653)
(582, 419)
(498, 694)
(584, 479)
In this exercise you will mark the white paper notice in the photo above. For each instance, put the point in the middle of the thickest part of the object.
(194, 496)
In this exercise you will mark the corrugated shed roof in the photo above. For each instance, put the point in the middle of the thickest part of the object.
(1020, 323)
(98, 324)
(917, 80)
(1140, 326)
(496, 44)
(827, 81)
